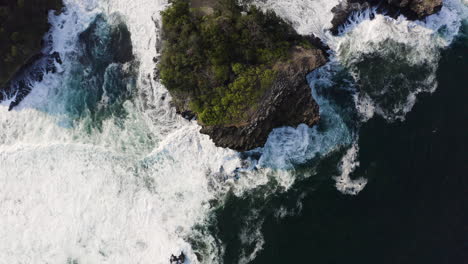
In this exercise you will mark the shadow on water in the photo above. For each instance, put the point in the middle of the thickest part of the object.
(414, 208)
(101, 76)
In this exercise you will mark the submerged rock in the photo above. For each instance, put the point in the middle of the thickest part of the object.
(105, 76)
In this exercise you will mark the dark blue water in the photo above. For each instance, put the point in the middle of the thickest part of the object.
(414, 208)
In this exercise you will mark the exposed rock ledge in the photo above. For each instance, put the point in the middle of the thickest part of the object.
(284, 99)
(412, 9)
(289, 102)
(22, 28)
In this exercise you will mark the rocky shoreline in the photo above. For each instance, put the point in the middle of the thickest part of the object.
(22, 28)
(289, 102)
(33, 70)
(412, 9)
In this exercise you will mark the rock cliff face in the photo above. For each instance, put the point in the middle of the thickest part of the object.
(289, 102)
(412, 9)
(242, 72)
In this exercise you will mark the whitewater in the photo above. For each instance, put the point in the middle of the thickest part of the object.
(80, 187)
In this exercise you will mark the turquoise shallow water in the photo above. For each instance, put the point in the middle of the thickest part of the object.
(414, 208)
(96, 166)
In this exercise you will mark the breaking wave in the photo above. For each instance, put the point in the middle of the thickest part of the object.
(96, 167)
(389, 62)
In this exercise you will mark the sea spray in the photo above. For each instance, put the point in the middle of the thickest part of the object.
(378, 52)
(142, 186)
(418, 47)
(127, 190)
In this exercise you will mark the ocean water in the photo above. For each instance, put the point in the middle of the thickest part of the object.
(413, 209)
(96, 167)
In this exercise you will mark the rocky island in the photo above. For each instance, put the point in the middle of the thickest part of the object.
(240, 71)
(22, 28)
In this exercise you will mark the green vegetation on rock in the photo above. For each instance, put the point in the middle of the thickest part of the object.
(222, 56)
(23, 24)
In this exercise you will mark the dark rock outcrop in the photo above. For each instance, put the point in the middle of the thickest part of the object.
(22, 28)
(342, 12)
(252, 85)
(417, 9)
(412, 9)
(32, 71)
(289, 102)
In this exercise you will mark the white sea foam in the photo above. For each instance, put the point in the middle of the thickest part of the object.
(365, 106)
(421, 42)
(127, 193)
(288, 146)
(118, 194)
(131, 193)
(307, 16)
(348, 164)
(361, 36)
